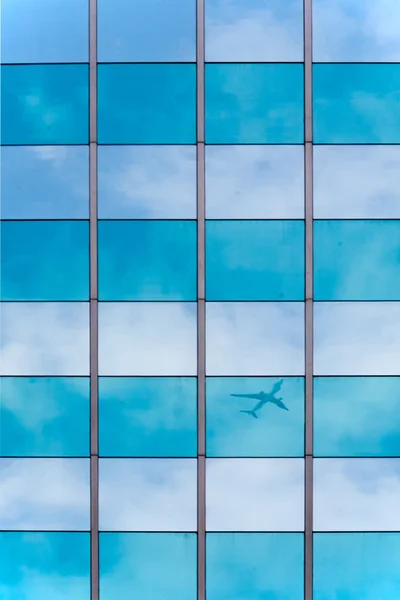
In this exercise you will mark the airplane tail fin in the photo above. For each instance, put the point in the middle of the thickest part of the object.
(250, 412)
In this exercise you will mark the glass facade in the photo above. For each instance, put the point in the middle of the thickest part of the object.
(200, 300)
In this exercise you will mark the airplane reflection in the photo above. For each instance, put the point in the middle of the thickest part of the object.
(263, 398)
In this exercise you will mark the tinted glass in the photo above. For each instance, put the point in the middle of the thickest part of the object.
(255, 338)
(356, 104)
(44, 104)
(44, 338)
(247, 487)
(243, 421)
(147, 104)
(148, 494)
(43, 416)
(254, 104)
(147, 182)
(154, 416)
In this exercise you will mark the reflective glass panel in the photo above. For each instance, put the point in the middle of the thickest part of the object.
(356, 494)
(147, 260)
(146, 30)
(251, 566)
(356, 182)
(255, 260)
(40, 338)
(242, 421)
(44, 260)
(356, 104)
(147, 104)
(254, 182)
(44, 104)
(254, 30)
(36, 566)
(356, 338)
(45, 494)
(148, 494)
(255, 338)
(356, 31)
(43, 416)
(254, 104)
(155, 416)
(44, 31)
(262, 494)
(356, 566)
(147, 182)
(357, 416)
(357, 260)
(145, 338)
(150, 565)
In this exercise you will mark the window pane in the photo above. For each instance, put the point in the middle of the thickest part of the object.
(147, 260)
(356, 104)
(243, 565)
(255, 260)
(155, 416)
(254, 182)
(242, 421)
(360, 338)
(39, 565)
(261, 494)
(148, 494)
(254, 30)
(44, 31)
(44, 416)
(356, 260)
(44, 338)
(254, 104)
(128, 561)
(147, 104)
(45, 260)
(356, 494)
(44, 104)
(147, 30)
(48, 494)
(255, 338)
(357, 416)
(147, 182)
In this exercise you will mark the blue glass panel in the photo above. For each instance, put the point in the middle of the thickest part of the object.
(45, 494)
(356, 566)
(148, 494)
(147, 260)
(154, 416)
(44, 104)
(254, 104)
(44, 416)
(147, 182)
(255, 338)
(242, 421)
(147, 104)
(44, 31)
(357, 260)
(243, 566)
(254, 182)
(356, 338)
(254, 30)
(255, 260)
(45, 260)
(147, 338)
(150, 565)
(35, 566)
(356, 104)
(39, 338)
(357, 416)
(146, 30)
(256, 494)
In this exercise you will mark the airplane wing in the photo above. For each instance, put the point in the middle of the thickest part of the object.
(276, 387)
(252, 396)
(280, 404)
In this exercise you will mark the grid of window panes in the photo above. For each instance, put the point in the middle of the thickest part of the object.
(255, 265)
